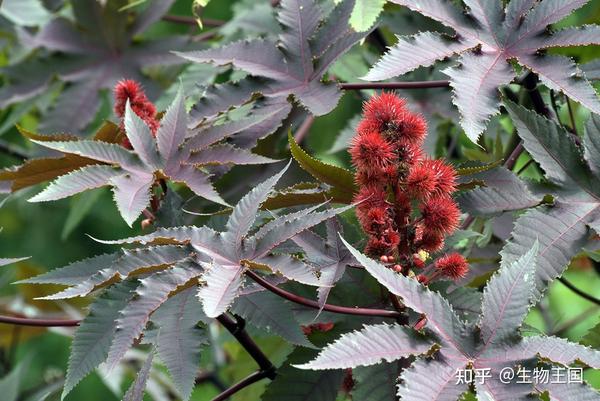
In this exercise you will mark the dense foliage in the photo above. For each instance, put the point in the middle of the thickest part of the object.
(416, 252)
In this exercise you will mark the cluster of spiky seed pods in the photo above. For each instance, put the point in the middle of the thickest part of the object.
(131, 90)
(404, 199)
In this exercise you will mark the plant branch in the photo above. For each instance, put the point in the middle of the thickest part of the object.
(237, 330)
(577, 291)
(23, 321)
(180, 19)
(315, 305)
(571, 116)
(253, 378)
(395, 85)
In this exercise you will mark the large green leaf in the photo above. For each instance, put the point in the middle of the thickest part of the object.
(297, 385)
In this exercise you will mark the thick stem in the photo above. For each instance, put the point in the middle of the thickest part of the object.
(395, 85)
(253, 378)
(23, 321)
(312, 304)
(237, 330)
(577, 291)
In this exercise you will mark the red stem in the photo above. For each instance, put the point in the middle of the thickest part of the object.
(253, 378)
(312, 304)
(23, 321)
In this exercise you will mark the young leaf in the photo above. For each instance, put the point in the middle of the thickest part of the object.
(340, 179)
(330, 256)
(305, 61)
(517, 33)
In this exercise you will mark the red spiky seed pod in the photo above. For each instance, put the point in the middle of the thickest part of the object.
(410, 128)
(445, 177)
(370, 152)
(453, 265)
(384, 110)
(408, 153)
(440, 214)
(421, 278)
(430, 241)
(131, 90)
(421, 180)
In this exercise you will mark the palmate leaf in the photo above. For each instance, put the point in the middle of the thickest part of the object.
(296, 62)
(82, 54)
(95, 333)
(152, 292)
(562, 229)
(170, 155)
(35, 171)
(516, 33)
(226, 255)
(90, 274)
(180, 338)
(494, 343)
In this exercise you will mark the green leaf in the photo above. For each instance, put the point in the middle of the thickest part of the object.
(10, 384)
(592, 338)
(365, 14)
(293, 384)
(375, 383)
(93, 336)
(180, 338)
(340, 179)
